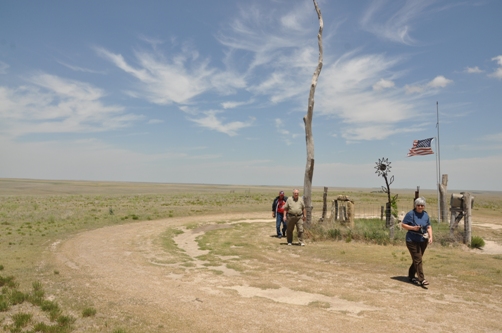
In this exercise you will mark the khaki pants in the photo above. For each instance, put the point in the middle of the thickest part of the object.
(293, 221)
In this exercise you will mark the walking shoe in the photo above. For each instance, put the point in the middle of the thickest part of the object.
(290, 244)
(301, 243)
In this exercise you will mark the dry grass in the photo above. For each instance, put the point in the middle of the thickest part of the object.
(35, 214)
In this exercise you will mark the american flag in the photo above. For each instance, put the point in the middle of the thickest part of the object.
(421, 147)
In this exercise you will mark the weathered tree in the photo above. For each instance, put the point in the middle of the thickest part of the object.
(309, 168)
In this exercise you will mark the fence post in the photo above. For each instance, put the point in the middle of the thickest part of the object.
(324, 197)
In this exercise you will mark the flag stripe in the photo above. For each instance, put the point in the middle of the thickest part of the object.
(421, 147)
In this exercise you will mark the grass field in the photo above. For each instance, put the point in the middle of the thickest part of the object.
(35, 214)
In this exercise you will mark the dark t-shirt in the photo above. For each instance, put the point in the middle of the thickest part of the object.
(413, 218)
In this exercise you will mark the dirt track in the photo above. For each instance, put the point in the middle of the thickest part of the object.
(127, 273)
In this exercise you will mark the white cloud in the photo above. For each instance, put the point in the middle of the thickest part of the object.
(55, 105)
(439, 82)
(235, 104)
(212, 122)
(347, 91)
(473, 70)
(164, 82)
(498, 59)
(383, 84)
(414, 89)
(498, 72)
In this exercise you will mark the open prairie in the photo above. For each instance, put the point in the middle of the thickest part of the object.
(202, 258)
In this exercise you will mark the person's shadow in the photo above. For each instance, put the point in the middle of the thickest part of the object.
(406, 280)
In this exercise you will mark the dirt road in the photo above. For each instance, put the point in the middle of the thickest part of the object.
(131, 278)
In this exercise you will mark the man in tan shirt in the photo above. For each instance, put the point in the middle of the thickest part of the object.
(294, 214)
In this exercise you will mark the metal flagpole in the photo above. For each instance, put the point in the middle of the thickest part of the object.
(438, 163)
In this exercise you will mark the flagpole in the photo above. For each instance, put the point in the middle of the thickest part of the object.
(438, 163)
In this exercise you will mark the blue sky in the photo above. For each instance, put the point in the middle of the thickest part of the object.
(215, 91)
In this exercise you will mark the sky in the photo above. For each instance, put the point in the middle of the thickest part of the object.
(215, 92)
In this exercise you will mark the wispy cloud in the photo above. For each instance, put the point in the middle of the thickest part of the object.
(80, 69)
(498, 72)
(155, 121)
(438, 82)
(3, 67)
(235, 104)
(353, 90)
(163, 81)
(388, 21)
(383, 84)
(284, 133)
(212, 122)
(472, 70)
(50, 104)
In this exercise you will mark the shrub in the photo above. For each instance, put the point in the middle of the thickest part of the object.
(65, 321)
(8, 281)
(119, 330)
(17, 297)
(4, 305)
(88, 312)
(334, 233)
(477, 242)
(21, 319)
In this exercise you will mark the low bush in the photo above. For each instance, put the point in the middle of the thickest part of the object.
(477, 242)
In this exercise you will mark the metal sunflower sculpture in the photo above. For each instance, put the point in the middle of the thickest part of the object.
(383, 169)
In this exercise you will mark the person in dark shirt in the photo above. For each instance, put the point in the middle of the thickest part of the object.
(278, 214)
(419, 235)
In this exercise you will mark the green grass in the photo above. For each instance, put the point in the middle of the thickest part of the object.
(477, 242)
(89, 312)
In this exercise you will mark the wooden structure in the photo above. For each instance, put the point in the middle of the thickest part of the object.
(343, 210)
(461, 207)
(443, 192)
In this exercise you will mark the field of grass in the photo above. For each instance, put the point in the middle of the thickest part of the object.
(36, 213)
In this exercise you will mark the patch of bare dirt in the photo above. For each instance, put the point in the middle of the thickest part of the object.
(130, 277)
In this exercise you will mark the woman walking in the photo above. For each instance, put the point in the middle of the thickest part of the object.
(419, 235)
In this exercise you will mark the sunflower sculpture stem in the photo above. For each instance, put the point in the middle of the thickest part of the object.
(382, 169)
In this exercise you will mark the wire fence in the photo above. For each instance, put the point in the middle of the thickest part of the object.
(377, 211)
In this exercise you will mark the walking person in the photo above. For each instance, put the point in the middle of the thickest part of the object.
(419, 235)
(294, 214)
(278, 214)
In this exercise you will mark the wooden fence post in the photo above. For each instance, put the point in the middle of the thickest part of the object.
(324, 206)
(467, 218)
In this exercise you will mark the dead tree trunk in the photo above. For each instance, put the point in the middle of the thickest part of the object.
(443, 208)
(309, 168)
